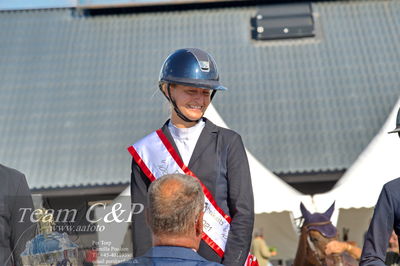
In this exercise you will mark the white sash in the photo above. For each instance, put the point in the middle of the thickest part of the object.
(156, 157)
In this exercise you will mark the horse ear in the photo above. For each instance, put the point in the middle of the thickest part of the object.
(329, 211)
(304, 211)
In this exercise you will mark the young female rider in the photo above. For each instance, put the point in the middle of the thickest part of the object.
(191, 144)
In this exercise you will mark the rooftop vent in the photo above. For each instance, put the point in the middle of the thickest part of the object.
(283, 21)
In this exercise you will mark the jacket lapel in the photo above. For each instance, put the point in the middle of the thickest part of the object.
(207, 136)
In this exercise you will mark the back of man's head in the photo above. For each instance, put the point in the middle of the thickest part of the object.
(175, 203)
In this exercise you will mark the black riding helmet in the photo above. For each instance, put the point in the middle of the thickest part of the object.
(190, 67)
(397, 129)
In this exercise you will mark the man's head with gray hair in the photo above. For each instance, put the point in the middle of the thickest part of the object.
(175, 211)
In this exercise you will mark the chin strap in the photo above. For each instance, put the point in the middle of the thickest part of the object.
(213, 94)
(178, 112)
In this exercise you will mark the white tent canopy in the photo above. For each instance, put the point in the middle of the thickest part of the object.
(359, 187)
(378, 163)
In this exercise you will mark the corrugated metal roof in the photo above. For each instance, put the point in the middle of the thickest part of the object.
(75, 91)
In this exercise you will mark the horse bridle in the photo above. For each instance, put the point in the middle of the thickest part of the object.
(311, 244)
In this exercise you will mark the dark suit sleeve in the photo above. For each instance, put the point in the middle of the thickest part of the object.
(22, 229)
(379, 231)
(241, 205)
(141, 234)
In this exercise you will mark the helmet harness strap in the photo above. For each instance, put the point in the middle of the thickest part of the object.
(178, 112)
(213, 94)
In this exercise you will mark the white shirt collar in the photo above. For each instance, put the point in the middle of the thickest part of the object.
(186, 139)
(186, 133)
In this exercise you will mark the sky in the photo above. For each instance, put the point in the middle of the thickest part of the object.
(35, 4)
(44, 4)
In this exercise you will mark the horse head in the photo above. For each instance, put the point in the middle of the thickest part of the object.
(316, 232)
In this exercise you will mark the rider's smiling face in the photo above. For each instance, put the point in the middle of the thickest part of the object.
(191, 101)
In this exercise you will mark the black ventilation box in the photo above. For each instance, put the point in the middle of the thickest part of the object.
(283, 21)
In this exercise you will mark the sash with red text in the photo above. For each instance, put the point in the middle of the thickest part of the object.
(156, 157)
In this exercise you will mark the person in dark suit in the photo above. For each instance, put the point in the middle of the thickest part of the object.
(175, 216)
(386, 218)
(15, 227)
(216, 156)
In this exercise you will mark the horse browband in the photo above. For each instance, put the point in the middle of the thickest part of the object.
(316, 224)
